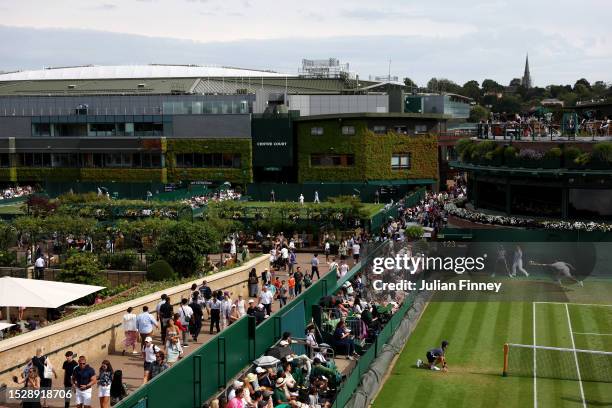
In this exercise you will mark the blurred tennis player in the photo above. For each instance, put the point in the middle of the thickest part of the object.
(562, 270)
(435, 357)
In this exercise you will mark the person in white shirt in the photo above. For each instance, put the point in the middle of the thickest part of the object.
(343, 269)
(316, 197)
(233, 249)
(356, 249)
(131, 331)
(226, 310)
(240, 305)
(39, 267)
(301, 199)
(266, 298)
(185, 312)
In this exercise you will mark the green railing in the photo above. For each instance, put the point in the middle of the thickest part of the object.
(383, 215)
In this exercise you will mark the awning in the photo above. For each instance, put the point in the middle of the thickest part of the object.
(16, 292)
(4, 325)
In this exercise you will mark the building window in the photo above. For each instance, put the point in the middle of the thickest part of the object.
(400, 161)
(333, 160)
(316, 131)
(401, 129)
(348, 130)
(379, 130)
(208, 160)
(420, 128)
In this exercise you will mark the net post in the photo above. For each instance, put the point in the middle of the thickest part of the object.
(506, 350)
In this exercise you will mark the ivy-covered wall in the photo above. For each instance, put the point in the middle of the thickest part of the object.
(88, 174)
(372, 153)
(240, 176)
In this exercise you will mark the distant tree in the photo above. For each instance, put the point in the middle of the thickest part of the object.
(410, 85)
(508, 104)
(599, 88)
(471, 89)
(582, 91)
(516, 82)
(478, 113)
(489, 85)
(432, 85)
(582, 81)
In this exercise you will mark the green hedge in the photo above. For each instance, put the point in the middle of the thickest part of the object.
(88, 174)
(372, 153)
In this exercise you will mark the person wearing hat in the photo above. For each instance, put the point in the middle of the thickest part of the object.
(251, 308)
(235, 386)
(435, 357)
(237, 399)
(148, 353)
(234, 315)
(260, 314)
(250, 381)
(263, 378)
(281, 393)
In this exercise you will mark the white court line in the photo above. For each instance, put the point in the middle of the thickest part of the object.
(569, 323)
(574, 304)
(535, 383)
(594, 334)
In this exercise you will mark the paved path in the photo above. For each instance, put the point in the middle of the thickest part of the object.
(132, 365)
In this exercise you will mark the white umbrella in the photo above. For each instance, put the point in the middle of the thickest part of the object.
(18, 292)
(4, 325)
(266, 361)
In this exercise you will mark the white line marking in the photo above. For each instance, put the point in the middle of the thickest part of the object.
(594, 334)
(535, 383)
(573, 304)
(569, 323)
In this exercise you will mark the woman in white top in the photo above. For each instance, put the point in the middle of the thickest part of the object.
(130, 330)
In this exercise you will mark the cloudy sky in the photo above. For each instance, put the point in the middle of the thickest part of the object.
(459, 40)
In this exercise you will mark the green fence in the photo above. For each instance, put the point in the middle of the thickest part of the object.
(383, 215)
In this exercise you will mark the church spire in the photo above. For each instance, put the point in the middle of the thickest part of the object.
(526, 81)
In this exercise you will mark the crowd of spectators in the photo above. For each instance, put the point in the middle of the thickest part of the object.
(218, 196)
(19, 191)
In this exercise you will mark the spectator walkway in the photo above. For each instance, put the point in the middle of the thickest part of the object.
(132, 365)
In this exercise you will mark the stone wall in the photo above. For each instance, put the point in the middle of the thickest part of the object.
(97, 334)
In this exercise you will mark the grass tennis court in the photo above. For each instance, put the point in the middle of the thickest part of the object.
(477, 332)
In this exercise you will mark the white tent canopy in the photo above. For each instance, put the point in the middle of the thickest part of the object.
(4, 325)
(16, 292)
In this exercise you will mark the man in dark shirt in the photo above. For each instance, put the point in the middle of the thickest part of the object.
(83, 378)
(197, 316)
(298, 276)
(251, 309)
(165, 313)
(435, 356)
(68, 367)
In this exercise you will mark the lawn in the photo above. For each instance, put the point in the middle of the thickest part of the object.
(15, 208)
(477, 331)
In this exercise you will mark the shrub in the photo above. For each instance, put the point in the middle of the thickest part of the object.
(464, 148)
(493, 154)
(84, 268)
(603, 151)
(583, 159)
(184, 244)
(510, 152)
(571, 153)
(8, 258)
(121, 261)
(553, 153)
(160, 270)
(481, 149)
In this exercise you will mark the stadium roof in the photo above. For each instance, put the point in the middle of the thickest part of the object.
(135, 71)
